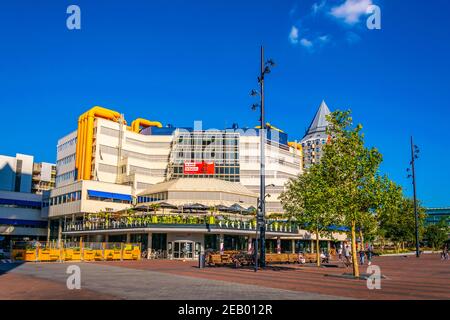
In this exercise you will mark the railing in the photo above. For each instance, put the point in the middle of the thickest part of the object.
(176, 222)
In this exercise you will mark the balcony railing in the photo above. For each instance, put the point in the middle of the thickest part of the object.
(177, 222)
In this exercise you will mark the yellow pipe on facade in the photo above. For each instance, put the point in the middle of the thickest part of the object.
(85, 138)
(295, 145)
(80, 143)
(83, 148)
(88, 150)
(138, 123)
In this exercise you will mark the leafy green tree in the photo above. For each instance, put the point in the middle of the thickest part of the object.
(437, 234)
(350, 169)
(397, 222)
(308, 199)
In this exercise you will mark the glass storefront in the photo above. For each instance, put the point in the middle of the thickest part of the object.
(184, 249)
(234, 243)
(159, 241)
(286, 246)
(212, 242)
(141, 238)
(303, 246)
(116, 238)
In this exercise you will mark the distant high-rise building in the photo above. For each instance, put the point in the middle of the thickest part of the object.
(316, 137)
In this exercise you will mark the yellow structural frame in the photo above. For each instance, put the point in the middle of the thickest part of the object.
(295, 145)
(85, 135)
(144, 123)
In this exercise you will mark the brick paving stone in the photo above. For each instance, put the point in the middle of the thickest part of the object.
(407, 278)
(132, 283)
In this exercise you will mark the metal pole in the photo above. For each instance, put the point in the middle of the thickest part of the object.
(256, 249)
(415, 198)
(262, 195)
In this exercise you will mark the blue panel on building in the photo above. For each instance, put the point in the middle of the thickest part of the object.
(109, 195)
(21, 203)
(166, 131)
(18, 222)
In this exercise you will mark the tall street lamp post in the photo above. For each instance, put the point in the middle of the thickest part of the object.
(261, 223)
(415, 155)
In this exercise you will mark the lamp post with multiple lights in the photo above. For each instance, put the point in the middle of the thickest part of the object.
(414, 156)
(261, 223)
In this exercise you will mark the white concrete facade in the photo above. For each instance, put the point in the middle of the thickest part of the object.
(73, 199)
(16, 173)
(281, 165)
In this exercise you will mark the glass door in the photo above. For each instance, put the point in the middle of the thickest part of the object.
(183, 250)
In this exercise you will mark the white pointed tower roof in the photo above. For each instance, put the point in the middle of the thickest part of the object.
(319, 123)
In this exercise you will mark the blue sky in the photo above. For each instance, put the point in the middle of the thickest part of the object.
(180, 61)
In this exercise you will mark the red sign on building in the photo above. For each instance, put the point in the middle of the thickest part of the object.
(198, 168)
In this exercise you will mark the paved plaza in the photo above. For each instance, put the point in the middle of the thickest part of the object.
(405, 278)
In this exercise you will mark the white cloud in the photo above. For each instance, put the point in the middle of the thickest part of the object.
(324, 39)
(316, 7)
(351, 10)
(293, 35)
(306, 43)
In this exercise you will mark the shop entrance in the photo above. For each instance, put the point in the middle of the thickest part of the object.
(183, 249)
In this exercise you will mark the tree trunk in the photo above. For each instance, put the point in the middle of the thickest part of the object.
(361, 237)
(354, 255)
(317, 248)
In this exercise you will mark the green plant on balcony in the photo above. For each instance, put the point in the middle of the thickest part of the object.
(155, 207)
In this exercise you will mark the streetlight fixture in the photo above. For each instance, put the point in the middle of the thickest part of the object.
(261, 223)
(414, 156)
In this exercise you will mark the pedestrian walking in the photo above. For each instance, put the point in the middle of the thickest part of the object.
(369, 254)
(347, 256)
(340, 252)
(444, 253)
(361, 256)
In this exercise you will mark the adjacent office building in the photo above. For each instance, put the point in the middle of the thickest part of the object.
(22, 182)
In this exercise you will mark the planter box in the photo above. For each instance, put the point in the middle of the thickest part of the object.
(98, 255)
(18, 254)
(44, 255)
(88, 255)
(30, 255)
(55, 255)
(112, 254)
(127, 255)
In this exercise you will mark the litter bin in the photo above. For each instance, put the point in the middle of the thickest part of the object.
(201, 260)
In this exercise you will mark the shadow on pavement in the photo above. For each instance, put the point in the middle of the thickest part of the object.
(7, 267)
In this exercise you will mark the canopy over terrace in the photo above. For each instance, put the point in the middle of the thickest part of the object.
(207, 192)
